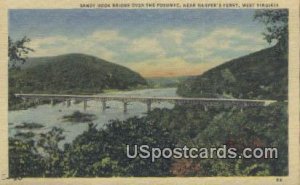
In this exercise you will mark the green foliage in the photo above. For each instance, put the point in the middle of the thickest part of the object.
(24, 135)
(26, 125)
(254, 127)
(70, 74)
(103, 152)
(276, 22)
(24, 160)
(260, 75)
(259, 169)
(36, 157)
(93, 153)
(78, 117)
(160, 82)
(17, 51)
(48, 146)
(73, 73)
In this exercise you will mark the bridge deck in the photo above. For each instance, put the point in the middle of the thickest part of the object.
(245, 102)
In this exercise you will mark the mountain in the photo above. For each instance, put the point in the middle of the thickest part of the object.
(72, 73)
(259, 75)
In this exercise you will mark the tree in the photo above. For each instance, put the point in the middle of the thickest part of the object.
(103, 152)
(48, 146)
(24, 160)
(276, 22)
(17, 51)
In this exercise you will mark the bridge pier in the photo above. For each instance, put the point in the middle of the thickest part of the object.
(84, 105)
(148, 105)
(52, 102)
(24, 100)
(37, 100)
(103, 105)
(68, 103)
(125, 107)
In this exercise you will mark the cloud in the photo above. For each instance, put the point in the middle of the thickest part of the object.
(230, 39)
(161, 44)
(48, 42)
(93, 44)
(146, 45)
(175, 35)
(170, 52)
(104, 53)
(107, 36)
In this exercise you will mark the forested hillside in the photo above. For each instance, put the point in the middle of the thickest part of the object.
(73, 73)
(260, 75)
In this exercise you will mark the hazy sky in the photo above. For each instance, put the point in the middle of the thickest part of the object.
(151, 42)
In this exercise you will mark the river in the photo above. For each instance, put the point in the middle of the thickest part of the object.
(51, 116)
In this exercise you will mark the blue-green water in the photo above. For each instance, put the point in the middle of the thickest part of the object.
(52, 116)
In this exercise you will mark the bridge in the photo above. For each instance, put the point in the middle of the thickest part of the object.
(205, 102)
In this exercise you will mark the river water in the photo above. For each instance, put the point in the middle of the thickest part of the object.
(51, 116)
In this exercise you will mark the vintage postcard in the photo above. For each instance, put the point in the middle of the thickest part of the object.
(149, 92)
